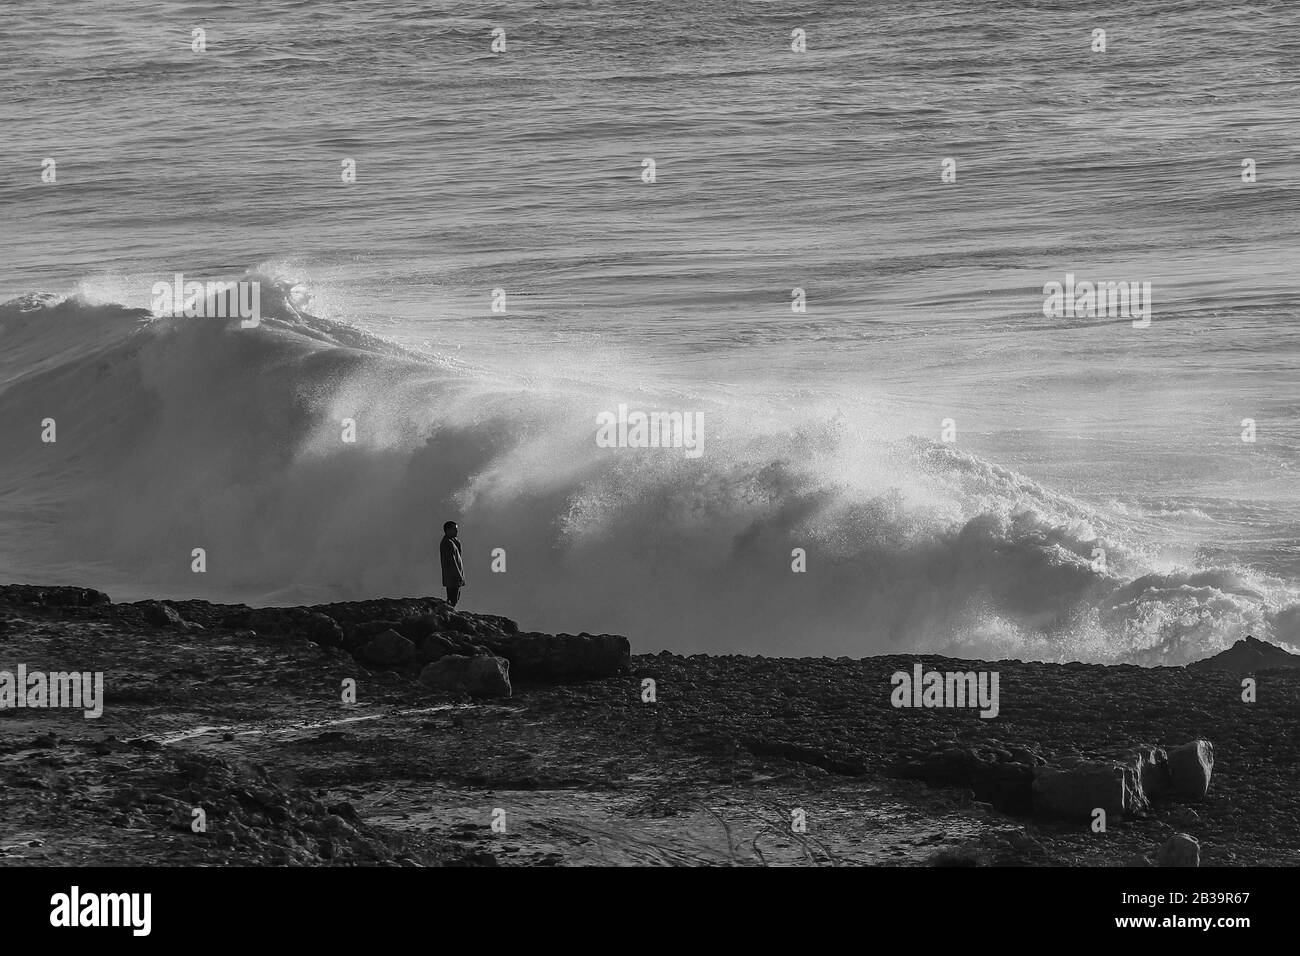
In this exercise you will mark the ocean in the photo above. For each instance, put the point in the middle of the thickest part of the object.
(839, 266)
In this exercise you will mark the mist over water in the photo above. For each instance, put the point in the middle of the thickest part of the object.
(775, 171)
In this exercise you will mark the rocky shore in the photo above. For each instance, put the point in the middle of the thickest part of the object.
(405, 732)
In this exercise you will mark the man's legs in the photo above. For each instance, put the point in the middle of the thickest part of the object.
(453, 595)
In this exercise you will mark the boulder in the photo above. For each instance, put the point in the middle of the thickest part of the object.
(995, 777)
(1180, 850)
(1190, 767)
(1153, 771)
(1075, 792)
(436, 646)
(459, 622)
(547, 658)
(494, 622)
(388, 648)
(476, 676)
(418, 628)
(448, 623)
(1134, 779)
(359, 635)
(160, 614)
(321, 629)
(1152, 766)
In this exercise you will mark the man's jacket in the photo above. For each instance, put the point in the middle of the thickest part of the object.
(453, 570)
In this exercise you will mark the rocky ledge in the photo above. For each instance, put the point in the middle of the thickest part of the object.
(446, 649)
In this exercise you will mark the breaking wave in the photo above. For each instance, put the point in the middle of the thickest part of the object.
(174, 434)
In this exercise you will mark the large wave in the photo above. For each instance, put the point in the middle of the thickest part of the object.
(175, 434)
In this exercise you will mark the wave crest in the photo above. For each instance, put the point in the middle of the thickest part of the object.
(175, 434)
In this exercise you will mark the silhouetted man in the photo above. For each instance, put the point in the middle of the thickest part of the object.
(453, 569)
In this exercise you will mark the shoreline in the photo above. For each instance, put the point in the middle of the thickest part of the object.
(240, 712)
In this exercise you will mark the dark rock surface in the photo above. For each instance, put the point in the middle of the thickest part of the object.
(577, 766)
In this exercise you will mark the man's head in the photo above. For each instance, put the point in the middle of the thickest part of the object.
(449, 529)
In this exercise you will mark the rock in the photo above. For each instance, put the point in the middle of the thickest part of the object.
(435, 631)
(271, 620)
(1190, 767)
(1005, 784)
(1027, 757)
(395, 611)
(417, 628)
(1180, 850)
(1074, 793)
(388, 648)
(799, 753)
(337, 825)
(558, 658)
(436, 646)
(347, 811)
(1023, 841)
(475, 676)
(161, 615)
(495, 622)
(321, 629)
(458, 622)
(52, 596)
(1153, 771)
(1248, 656)
(359, 635)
